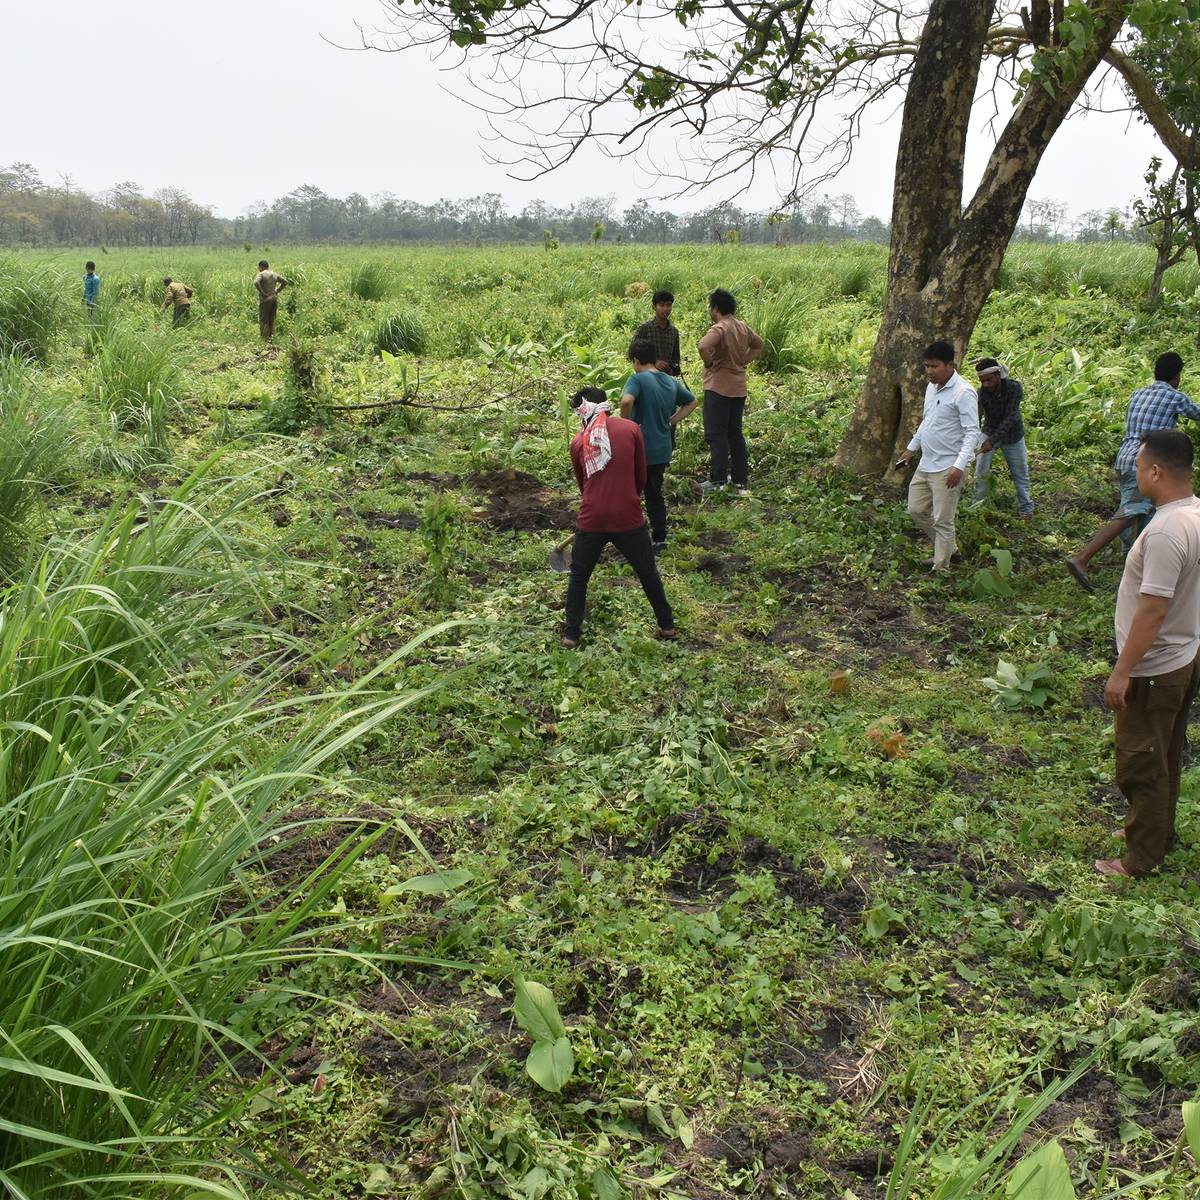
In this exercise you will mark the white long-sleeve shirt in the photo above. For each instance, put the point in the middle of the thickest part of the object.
(949, 431)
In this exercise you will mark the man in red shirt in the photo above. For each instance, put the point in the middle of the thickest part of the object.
(609, 458)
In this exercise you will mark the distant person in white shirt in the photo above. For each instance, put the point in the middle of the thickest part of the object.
(947, 438)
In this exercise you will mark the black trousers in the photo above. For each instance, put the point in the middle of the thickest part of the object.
(656, 505)
(634, 545)
(723, 429)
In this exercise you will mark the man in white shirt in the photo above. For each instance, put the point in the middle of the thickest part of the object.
(1157, 672)
(947, 438)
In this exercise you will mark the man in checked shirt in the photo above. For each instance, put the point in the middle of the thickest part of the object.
(1159, 405)
(662, 333)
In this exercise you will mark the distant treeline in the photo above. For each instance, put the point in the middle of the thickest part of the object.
(33, 212)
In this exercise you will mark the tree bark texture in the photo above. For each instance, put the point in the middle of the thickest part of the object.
(944, 259)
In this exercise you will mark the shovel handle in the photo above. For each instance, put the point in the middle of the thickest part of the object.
(564, 543)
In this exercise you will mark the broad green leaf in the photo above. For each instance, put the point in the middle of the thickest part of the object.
(536, 1012)
(880, 920)
(1191, 1126)
(378, 1181)
(1042, 1175)
(550, 1063)
(433, 884)
(605, 1185)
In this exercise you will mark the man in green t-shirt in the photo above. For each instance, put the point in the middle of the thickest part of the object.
(657, 402)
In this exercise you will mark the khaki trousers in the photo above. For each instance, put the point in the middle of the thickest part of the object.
(1151, 733)
(932, 506)
(267, 311)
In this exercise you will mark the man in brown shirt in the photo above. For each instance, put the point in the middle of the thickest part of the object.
(726, 350)
(268, 284)
(1157, 672)
(181, 297)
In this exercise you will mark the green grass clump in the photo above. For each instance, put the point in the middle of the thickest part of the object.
(31, 310)
(37, 449)
(370, 281)
(400, 332)
(135, 826)
(137, 380)
(776, 320)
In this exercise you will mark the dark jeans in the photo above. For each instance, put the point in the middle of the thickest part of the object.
(182, 314)
(656, 506)
(1151, 732)
(635, 546)
(723, 429)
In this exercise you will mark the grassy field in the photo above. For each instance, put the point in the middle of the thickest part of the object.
(326, 868)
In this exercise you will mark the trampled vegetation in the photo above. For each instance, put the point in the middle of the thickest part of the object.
(326, 869)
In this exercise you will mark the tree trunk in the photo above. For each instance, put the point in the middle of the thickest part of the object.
(944, 261)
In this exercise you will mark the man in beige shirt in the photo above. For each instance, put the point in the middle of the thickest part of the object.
(1157, 672)
(726, 350)
(181, 297)
(268, 284)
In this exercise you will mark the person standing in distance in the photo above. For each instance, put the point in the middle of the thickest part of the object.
(268, 284)
(91, 289)
(662, 334)
(1157, 672)
(946, 437)
(726, 350)
(1000, 398)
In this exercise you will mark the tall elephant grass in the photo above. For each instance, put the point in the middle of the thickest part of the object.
(37, 450)
(146, 764)
(370, 280)
(32, 310)
(137, 380)
(776, 319)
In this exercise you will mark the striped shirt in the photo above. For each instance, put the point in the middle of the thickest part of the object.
(1156, 406)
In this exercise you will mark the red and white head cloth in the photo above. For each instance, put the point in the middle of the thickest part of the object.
(597, 449)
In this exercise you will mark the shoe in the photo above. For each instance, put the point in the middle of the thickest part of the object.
(707, 485)
(1025, 514)
(569, 643)
(741, 491)
(659, 547)
(666, 635)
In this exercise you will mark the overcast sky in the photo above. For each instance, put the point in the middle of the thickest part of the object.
(238, 101)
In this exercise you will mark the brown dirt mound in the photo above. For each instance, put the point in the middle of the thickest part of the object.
(518, 501)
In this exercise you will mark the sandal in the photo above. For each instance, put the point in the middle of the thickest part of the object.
(1112, 866)
(569, 643)
(666, 635)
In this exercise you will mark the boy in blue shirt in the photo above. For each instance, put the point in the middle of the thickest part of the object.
(91, 288)
(657, 402)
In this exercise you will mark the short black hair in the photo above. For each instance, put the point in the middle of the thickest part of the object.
(940, 351)
(263, 264)
(1171, 450)
(662, 296)
(986, 364)
(166, 279)
(89, 265)
(1168, 366)
(723, 302)
(593, 395)
(642, 350)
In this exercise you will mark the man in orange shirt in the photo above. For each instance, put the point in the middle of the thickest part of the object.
(726, 350)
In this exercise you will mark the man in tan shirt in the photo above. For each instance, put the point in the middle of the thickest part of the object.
(1157, 672)
(726, 350)
(181, 297)
(268, 284)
